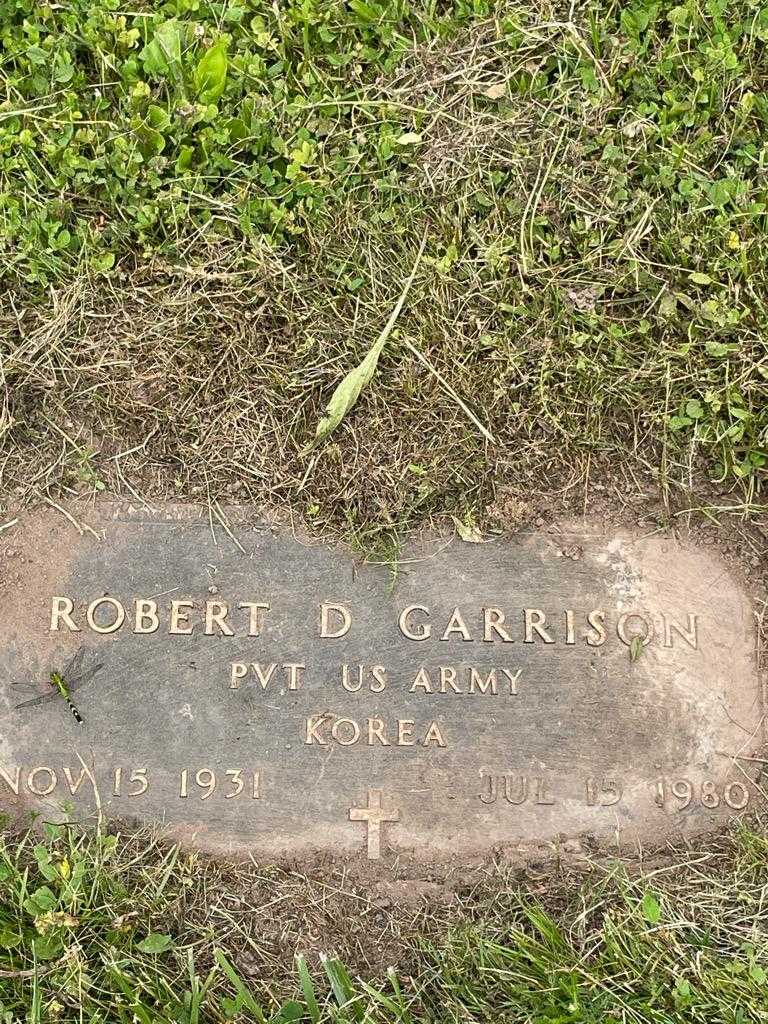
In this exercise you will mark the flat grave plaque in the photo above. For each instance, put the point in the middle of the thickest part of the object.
(259, 694)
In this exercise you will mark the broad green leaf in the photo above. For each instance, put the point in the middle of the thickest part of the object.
(651, 908)
(158, 118)
(48, 946)
(40, 902)
(720, 192)
(289, 1013)
(718, 349)
(46, 868)
(682, 992)
(163, 52)
(758, 974)
(348, 391)
(184, 159)
(238, 129)
(9, 938)
(103, 261)
(694, 409)
(37, 55)
(152, 142)
(678, 422)
(230, 1007)
(409, 139)
(155, 942)
(364, 11)
(211, 73)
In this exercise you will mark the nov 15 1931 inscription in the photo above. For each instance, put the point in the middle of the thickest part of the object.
(255, 693)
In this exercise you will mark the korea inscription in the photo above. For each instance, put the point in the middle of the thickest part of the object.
(253, 693)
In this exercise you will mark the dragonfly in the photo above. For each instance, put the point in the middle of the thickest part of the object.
(76, 673)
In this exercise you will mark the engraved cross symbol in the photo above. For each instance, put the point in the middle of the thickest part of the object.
(373, 814)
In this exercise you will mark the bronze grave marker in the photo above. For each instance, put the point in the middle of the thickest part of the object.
(256, 693)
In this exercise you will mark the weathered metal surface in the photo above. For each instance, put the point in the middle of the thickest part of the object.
(487, 696)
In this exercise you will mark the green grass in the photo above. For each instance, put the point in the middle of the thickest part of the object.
(149, 128)
(115, 929)
(208, 212)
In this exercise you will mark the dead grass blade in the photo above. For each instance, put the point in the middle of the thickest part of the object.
(348, 391)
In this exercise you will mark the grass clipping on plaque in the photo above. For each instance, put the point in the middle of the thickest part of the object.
(208, 218)
(112, 928)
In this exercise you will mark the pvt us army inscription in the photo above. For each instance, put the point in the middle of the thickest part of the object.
(253, 693)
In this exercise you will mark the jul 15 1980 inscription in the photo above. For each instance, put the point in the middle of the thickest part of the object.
(255, 693)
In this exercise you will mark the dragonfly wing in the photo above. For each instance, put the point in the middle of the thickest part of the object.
(35, 701)
(74, 665)
(84, 677)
